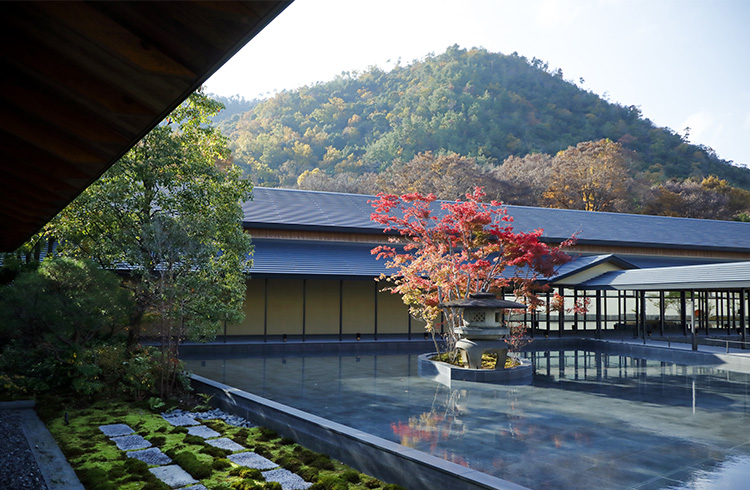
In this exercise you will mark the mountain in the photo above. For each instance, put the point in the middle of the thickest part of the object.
(472, 102)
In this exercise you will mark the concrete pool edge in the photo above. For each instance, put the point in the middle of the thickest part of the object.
(370, 454)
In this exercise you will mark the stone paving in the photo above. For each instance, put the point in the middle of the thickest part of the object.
(173, 475)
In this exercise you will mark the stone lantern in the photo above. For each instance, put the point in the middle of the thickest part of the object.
(482, 328)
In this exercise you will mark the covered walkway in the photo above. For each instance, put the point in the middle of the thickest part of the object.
(709, 298)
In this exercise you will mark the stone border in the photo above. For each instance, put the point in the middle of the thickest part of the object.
(383, 459)
(444, 373)
(54, 467)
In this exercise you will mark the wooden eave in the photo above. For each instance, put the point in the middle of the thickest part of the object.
(85, 81)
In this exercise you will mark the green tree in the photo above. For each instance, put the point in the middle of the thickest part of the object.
(63, 305)
(169, 212)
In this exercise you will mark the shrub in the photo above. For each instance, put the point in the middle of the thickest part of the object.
(252, 473)
(305, 455)
(289, 462)
(73, 452)
(246, 485)
(215, 452)
(116, 472)
(372, 483)
(136, 467)
(190, 463)
(217, 425)
(264, 451)
(309, 473)
(267, 434)
(156, 485)
(241, 437)
(194, 440)
(89, 477)
(158, 441)
(220, 486)
(352, 476)
(274, 485)
(221, 464)
(323, 462)
(330, 482)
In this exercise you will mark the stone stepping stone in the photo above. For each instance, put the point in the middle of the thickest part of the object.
(173, 475)
(128, 443)
(226, 443)
(288, 480)
(151, 456)
(252, 460)
(115, 430)
(203, 431)
(195, 487)
(180, 420)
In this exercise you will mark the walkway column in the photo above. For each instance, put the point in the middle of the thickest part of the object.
(692, 320)
(548, 314)
(683, 313)
(598, 314)
(643, 313)
(662, 313)
(743, 315)
(561, 313)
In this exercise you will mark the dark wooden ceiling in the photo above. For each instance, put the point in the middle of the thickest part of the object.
(84, 81)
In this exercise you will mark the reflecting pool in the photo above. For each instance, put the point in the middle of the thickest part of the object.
(589, 420)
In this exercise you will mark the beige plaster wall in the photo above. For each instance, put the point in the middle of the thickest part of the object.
(321, 306)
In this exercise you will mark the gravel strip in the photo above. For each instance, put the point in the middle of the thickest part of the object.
(211, 415)
(18, 468)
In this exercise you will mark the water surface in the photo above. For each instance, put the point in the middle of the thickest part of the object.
(589, 420)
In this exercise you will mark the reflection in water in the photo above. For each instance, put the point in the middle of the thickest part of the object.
(590, 419)
(439, 423)
(734, 473)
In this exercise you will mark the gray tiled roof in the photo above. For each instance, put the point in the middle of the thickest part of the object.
(734, 275)
(314, 259)
(325, 259)
(286, 208)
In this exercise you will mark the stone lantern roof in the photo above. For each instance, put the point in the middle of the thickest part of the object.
(483, 300)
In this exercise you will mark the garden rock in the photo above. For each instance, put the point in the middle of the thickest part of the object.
(202, 431)
(115, 430)
(226, 443)
(128, 443)
(151, 456)
(180, 420)
(173, 475)
(195, 487)
(252, 460)
(287, 479)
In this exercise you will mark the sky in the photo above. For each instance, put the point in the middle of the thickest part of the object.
(685, 63)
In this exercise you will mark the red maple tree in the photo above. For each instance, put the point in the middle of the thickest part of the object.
(448, 250)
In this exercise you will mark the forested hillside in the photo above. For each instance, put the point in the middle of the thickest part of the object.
(471, 102)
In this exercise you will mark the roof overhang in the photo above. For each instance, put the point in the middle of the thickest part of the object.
(85, 81)
(713, 277)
